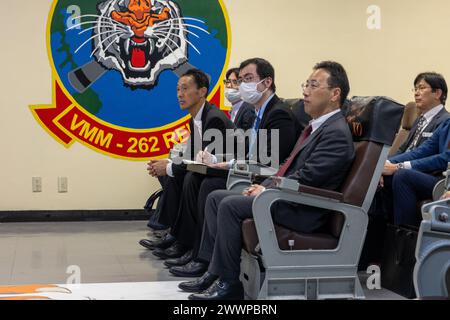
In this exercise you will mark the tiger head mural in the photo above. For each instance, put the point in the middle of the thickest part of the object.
(140, 39)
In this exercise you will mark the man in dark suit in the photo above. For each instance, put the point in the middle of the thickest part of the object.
(192, 91)
(413, 174)
(321, 158)
(430, 93)
(273, 114)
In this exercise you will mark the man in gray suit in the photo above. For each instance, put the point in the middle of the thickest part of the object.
(321, 158)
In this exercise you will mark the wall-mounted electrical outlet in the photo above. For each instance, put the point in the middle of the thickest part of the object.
(62, 184)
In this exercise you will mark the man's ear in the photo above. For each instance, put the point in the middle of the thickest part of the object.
(336, 95)
(438, 93)
(268, 82)
(204, 92)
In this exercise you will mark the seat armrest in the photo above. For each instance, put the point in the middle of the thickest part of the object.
(321, 193)
(285, 184)
(258, 178)
(356, 220)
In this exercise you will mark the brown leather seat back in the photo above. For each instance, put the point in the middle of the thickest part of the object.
(335, 224)
(359, 177)
(357, 183)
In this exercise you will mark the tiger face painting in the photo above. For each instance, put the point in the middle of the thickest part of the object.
(140, 39)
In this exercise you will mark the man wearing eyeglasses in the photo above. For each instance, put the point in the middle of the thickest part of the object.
(430, 93)
(242, 113)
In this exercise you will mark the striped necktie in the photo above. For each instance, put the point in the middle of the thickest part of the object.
(417, 134)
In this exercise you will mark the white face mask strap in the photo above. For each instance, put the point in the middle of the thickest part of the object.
(262, 81)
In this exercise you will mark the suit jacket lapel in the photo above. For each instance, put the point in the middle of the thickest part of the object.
(190, 141)
(269, 106)
(435, 118)
(314, 135)
(204, 115)
(239, 113)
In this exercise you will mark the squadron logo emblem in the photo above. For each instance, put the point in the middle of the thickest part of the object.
(116, 64)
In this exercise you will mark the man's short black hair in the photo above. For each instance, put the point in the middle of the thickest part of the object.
(263, 68)
(435, 81)
(200, 79)
(234, 71)
(338, 77)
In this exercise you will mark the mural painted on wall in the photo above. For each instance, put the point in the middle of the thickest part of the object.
(116, 64)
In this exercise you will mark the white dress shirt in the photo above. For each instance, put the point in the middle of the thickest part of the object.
(197, 126)
(316, 123)
(235, 109)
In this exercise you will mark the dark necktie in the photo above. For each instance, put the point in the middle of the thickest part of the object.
(284, 168)
(254, 138)
(420, 126)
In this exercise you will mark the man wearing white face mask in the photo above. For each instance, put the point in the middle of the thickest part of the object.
(257, 87)
(242, 113)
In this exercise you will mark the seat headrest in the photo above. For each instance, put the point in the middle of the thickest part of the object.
(410, 115)
(375, 119)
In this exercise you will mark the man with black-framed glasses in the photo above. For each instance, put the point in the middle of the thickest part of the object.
(242, 113)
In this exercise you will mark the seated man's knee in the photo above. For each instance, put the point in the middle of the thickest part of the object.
(213, 200)
(402, 177)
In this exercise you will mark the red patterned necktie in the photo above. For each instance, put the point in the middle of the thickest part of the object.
(284, 168)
